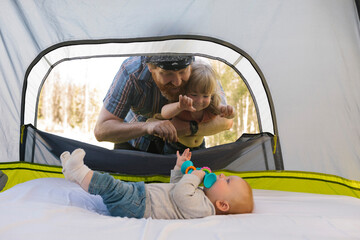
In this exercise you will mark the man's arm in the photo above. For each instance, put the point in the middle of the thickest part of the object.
(113, 129)
(216, 125)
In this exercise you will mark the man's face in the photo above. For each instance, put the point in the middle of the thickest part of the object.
(170, 83)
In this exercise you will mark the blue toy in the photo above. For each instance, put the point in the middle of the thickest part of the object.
(209, 179)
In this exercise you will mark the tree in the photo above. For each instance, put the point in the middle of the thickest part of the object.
(239, 97)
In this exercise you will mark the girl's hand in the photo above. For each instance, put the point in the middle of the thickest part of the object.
(227, 111)
(185, 156)
(186, 103)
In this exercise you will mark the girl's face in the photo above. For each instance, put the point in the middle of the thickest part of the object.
(200, 100)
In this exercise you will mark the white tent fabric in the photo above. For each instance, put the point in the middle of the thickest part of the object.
(308, 52)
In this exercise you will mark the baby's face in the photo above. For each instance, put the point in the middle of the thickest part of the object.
(226, 187)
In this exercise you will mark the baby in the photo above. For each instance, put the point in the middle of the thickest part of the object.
(182, 198)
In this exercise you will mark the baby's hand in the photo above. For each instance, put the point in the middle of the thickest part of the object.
(186, 103)
(185, 156)
(199, 173)
(227, 111)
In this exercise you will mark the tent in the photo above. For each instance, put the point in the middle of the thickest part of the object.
(299, 58)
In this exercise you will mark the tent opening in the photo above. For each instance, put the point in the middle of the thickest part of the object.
(53, 106)
(63, 95)
(72, 94)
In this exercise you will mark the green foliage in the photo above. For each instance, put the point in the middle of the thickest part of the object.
(238, 96)
(63, 104)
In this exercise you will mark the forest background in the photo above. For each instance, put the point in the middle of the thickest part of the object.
(73, 93)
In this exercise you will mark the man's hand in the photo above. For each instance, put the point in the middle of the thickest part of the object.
(227, 111)
(163, 129)
(199, 173)
(186, 103)
(185, 156)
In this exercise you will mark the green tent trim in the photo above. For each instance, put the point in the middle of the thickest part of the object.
(295, 181)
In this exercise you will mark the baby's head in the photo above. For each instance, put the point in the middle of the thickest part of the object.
(230, 195)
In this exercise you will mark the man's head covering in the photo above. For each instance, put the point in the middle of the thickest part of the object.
(167, 62)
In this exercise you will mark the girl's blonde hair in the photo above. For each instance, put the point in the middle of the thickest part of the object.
(203, 79)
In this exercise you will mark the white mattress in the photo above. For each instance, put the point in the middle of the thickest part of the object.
(53, 208)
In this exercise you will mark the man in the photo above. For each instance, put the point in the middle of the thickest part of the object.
(139, 90)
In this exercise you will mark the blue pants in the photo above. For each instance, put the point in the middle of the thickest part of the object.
(124, 199)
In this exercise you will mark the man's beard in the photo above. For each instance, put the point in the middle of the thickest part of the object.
(171, 92)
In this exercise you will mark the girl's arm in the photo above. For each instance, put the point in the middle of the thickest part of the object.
(172, 109)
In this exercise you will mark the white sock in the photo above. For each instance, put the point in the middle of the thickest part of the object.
(73, 165)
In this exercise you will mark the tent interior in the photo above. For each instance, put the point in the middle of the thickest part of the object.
(298, 60)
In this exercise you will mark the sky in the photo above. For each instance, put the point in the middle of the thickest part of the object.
(91, 71)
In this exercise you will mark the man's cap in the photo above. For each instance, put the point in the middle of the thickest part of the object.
(167, 62)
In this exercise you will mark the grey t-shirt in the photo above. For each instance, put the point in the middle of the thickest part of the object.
(182, 198)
